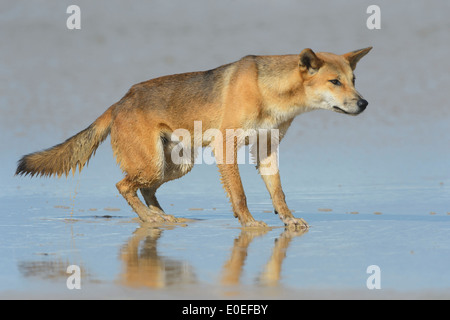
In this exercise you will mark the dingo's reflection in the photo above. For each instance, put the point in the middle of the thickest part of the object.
(144, 267)
(271, 275)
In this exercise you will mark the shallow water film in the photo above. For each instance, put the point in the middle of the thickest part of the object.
(375, 189)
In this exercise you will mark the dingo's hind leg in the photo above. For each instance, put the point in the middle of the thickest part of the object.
(141, 156)
(128, 189)
(154, 206)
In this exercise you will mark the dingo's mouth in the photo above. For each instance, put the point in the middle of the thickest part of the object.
(337, 109)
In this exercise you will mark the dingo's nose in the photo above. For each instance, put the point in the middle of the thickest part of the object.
(362, 104)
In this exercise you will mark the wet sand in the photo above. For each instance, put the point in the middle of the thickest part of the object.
(374, 188)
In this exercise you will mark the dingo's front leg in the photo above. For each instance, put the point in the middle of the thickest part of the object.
(273, 183)
(232, 184)
(235, 191)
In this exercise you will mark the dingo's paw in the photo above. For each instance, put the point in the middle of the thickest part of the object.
(169, 218)
(295, 223)
(255, 224)
(153, 219)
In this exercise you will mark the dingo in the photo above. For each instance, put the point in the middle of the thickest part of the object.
(256, 92)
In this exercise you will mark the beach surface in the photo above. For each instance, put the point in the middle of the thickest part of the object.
(375, 189)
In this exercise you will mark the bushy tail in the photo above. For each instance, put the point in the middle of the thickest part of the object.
(72, 153)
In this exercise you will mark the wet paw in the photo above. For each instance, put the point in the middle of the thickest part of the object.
(163, 218)
(156, 215)
(295, 223)
(170, 218)
(255, 224)
(153, 219)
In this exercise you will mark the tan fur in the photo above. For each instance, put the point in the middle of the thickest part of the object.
(256, 92)
(74, 152)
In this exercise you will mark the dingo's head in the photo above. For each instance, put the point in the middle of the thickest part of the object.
(329, 82)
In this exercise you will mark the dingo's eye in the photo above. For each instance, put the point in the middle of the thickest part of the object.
(336, 82)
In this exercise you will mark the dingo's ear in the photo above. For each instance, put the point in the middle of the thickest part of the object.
(354, 56)
(309, 62)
